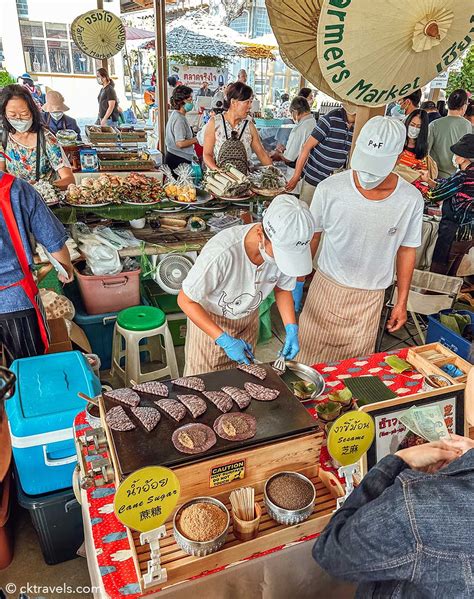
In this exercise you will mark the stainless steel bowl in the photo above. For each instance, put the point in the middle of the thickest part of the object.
(306, 373)
(289, 517)
(200, 548)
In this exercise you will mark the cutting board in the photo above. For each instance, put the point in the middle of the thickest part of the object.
(282, 418)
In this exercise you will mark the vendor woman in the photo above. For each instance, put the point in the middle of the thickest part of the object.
(236, 271)
(23, 213)
(32, 152)
(234, 125)
(180, 139)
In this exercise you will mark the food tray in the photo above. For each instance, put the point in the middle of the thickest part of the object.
(270, 193)
(180, 566)
(296, 371)
(126, 165)
(282, 418)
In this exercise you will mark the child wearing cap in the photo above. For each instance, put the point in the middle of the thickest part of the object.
(456, 229)
(372, 221)
(235, 272)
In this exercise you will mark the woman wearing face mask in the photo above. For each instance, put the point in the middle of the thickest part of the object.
(304, 121)
(31, 151)
(414, 158)
(180, 139)
(232, 126)
(54, 116)
(234, 274)
(108, 101)
(456, 229)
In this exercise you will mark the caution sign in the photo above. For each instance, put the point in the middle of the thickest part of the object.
(225, 474)
(146, 498)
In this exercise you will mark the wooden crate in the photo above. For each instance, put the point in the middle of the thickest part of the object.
(419, 357)
(180, 566)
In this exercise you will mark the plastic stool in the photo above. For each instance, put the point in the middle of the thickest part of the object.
(133, 325)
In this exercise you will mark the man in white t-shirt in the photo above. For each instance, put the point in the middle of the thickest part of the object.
(235, 272)
(372, 222)
(304, 125)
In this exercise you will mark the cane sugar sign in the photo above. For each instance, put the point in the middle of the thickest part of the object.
(226, 473)
(195, 76)
(146, 498)
(350, 437)
(380, 70)
(391, 435)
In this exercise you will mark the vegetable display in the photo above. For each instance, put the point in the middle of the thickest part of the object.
(267, 179)
(49, 193)
(228, 183)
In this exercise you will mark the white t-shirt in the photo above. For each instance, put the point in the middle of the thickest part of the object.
(225, 282)
(361, 236)
(298, 137)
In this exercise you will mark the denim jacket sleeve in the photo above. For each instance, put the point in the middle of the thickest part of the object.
(370, 538)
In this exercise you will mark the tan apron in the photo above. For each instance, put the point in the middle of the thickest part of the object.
(203, 355)
(338, 322)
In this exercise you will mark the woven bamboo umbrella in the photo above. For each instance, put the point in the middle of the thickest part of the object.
(374, 52)
(295, 25)
(98, 33)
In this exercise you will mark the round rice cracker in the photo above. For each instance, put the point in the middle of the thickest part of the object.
(200, 435)
(243, 425)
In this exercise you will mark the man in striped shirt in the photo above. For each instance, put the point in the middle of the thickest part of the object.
(326, 151)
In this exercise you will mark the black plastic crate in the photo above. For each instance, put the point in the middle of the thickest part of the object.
(57, 518)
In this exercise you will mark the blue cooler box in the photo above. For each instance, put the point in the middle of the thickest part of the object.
(41, 414)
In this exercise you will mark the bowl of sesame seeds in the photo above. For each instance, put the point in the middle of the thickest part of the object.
(289, 497)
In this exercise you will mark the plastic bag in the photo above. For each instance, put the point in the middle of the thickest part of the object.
(101, 259)
(466, 268)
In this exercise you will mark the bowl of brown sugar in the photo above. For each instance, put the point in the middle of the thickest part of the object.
(289, 497)
(200, 526)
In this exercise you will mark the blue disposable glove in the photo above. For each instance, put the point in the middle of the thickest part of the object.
(236, 349)
(291, 347)
(298, 295)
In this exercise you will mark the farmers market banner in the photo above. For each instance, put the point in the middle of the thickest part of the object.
(374, 52)
(195, 76)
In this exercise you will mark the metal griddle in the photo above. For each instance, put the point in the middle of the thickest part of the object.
(282, 418)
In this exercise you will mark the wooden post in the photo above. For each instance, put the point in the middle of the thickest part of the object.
(161, 89)
(434, 95)
(105, 65)
(364, 113)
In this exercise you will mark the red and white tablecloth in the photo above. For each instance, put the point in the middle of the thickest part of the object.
(109, 537)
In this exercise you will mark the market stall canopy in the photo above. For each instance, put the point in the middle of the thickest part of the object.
(374, 52)
(295, 25)
(127, 6)
(260, 48)
(135, 33)
(98, 33)
(200, 34)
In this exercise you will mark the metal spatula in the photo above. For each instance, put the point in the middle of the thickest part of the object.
(279, 365)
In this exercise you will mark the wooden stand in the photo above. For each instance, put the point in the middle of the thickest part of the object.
(428, 359)
(300, 454)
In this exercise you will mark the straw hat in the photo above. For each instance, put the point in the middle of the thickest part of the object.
(374, 52)
(54, 102)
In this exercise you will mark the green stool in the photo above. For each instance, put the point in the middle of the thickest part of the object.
(132, 326)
